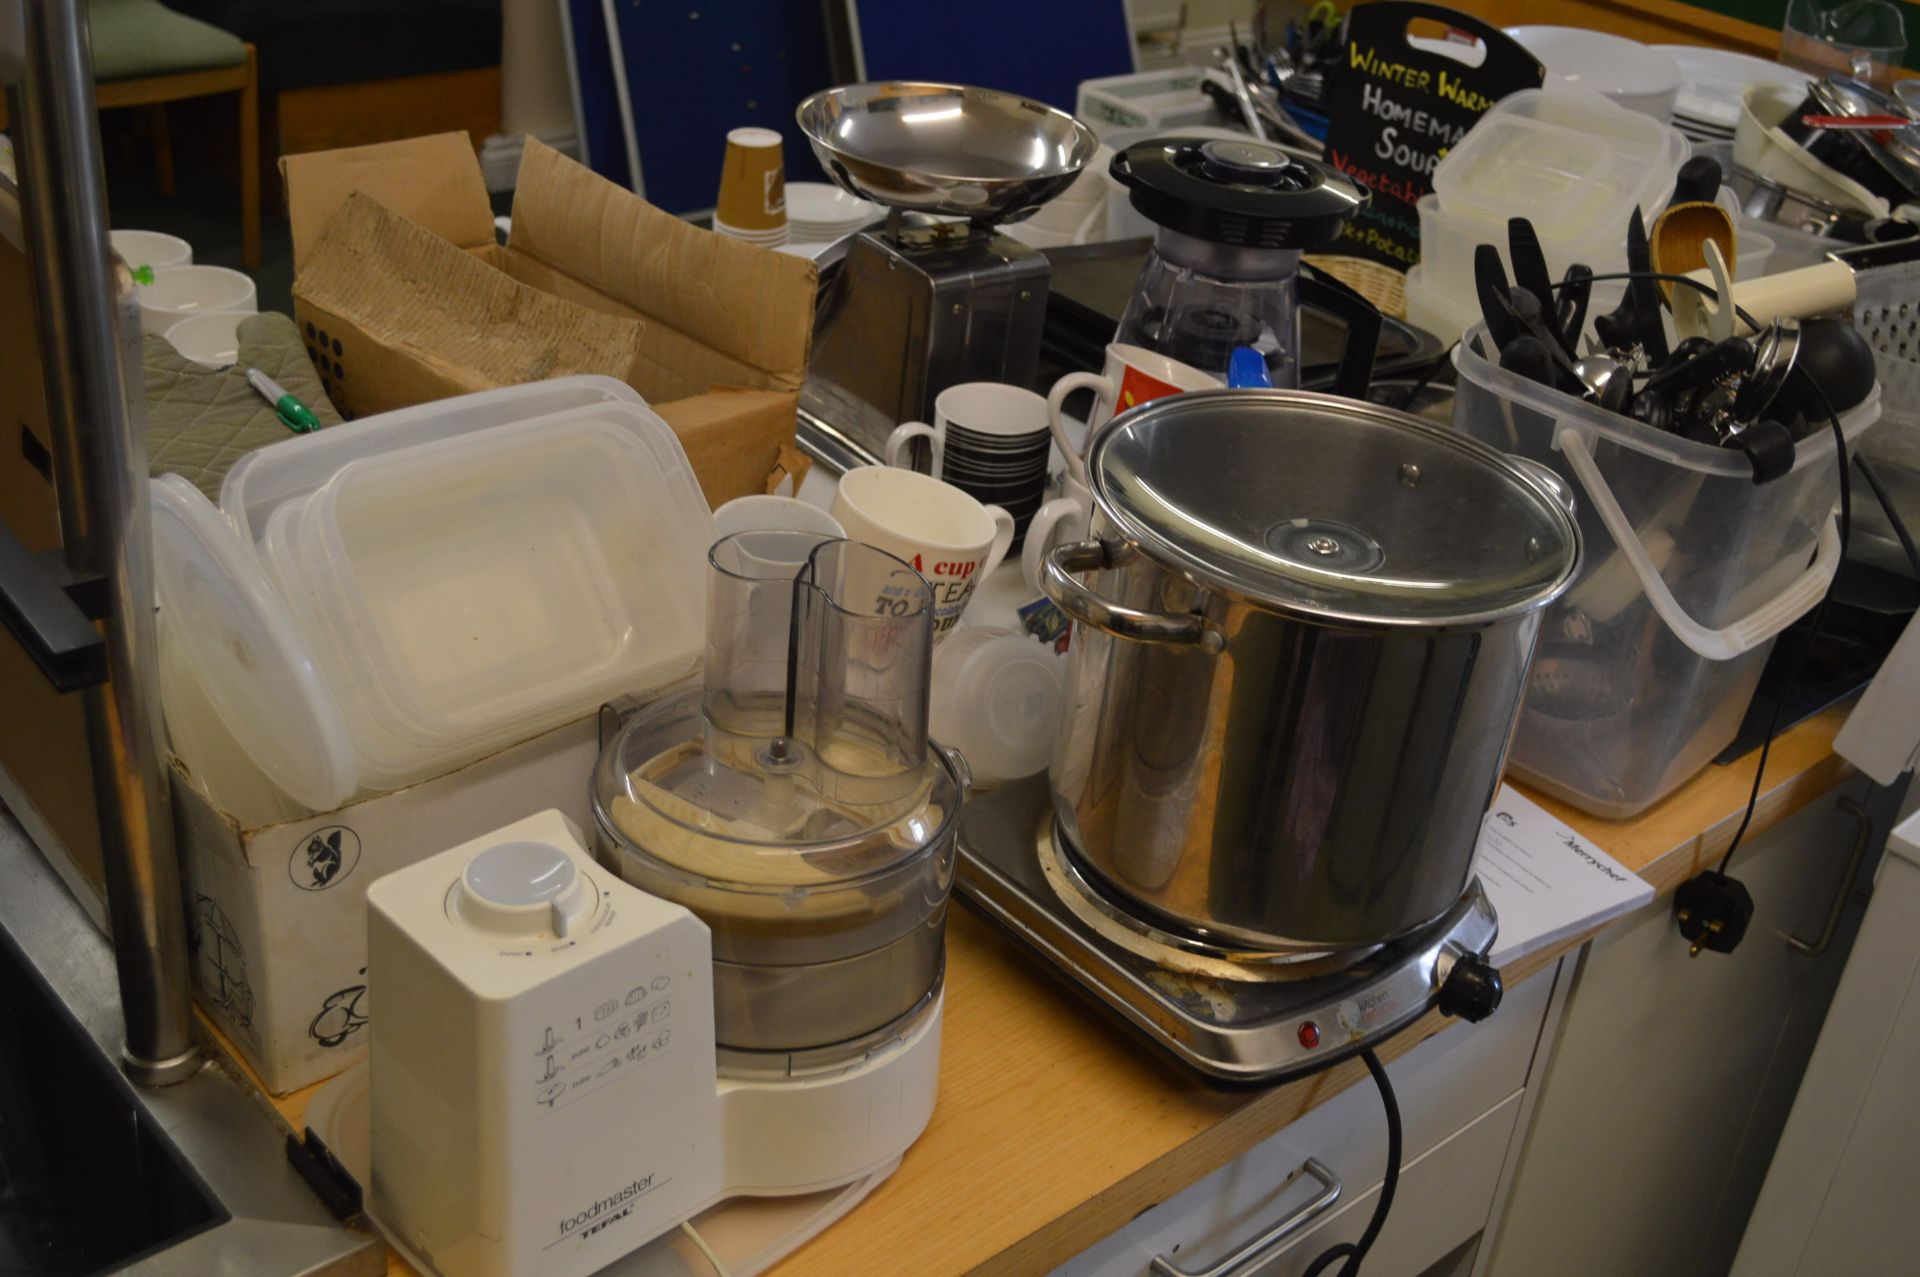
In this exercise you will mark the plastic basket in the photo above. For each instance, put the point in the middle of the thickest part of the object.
(1689, 570)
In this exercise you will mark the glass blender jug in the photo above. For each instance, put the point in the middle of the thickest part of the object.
(1234, 215)
(793, 802)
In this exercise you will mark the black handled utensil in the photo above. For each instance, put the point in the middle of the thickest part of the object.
(1697, 182)
(1490, 283)
(1575, 292)
(1643, 293)
(1530, 272)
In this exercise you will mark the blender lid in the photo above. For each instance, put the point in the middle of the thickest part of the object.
(1332, 508)
(1238, 191)
(241, 643)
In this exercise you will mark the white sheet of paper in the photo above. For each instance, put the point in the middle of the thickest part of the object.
(1545, 880)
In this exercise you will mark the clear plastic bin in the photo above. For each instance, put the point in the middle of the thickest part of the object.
(1645, 667)
(1573, 163)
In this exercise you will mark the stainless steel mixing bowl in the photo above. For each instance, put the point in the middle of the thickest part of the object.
(945, 148)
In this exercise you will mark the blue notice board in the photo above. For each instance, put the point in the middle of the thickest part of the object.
(694, 70)
(1040, 49)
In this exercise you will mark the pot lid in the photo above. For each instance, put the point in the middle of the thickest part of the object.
(241, 643)
(1332, 508)
(1238, 191)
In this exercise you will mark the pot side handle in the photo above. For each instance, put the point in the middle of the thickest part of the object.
(1060, 584)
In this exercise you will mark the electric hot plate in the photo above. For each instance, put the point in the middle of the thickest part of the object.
(1229, 1016)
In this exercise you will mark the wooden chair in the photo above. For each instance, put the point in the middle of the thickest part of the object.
(146, 55)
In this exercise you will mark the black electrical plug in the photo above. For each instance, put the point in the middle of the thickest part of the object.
(1713, 911)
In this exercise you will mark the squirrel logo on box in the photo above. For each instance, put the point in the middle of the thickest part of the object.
(326, 858)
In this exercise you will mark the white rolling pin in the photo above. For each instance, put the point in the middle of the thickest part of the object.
(1794, 294)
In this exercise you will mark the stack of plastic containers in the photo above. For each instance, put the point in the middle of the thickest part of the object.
(388, 601)
(1572, 163)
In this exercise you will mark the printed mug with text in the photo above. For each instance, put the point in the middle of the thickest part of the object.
(1133, 375)
(948, 537)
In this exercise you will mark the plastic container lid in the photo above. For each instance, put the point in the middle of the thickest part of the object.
(1332, 509)
(1570, 161)
(475, 590)
(236, 636)
(299, 464)
(996, 698)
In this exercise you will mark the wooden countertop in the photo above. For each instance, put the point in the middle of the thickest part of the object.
(1053, 1128)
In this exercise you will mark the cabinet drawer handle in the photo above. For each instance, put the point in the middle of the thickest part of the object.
(1863, 834)
(1257, 1249)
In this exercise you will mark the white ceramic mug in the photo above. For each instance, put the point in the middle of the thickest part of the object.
(1063, 518)
(1133, 375)
(947, 536)
(1004, 413)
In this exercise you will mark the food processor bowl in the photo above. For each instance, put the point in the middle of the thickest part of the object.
(825, 928)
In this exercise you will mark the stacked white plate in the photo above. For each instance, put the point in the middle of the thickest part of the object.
(1707, 108)
(820, 213)
(772, 238)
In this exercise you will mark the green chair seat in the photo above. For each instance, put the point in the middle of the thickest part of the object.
(139, 39)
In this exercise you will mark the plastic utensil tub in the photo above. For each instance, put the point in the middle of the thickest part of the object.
(1646, 666)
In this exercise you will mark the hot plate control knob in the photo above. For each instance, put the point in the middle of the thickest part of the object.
(1472, 989)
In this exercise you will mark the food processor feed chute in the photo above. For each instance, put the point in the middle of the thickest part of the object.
(794, 803)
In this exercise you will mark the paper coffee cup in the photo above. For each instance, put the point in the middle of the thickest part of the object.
(753, 183)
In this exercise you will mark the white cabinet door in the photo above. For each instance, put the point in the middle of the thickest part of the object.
(1671, 1077)
(1840, 1196)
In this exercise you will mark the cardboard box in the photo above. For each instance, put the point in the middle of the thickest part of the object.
(278, 915)
(404, 296)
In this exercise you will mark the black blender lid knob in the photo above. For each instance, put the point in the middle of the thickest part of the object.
(1238, 191)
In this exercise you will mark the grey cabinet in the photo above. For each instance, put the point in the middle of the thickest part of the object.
(1671, 1077)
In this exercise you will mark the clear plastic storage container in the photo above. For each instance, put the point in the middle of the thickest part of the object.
(1573, 163)
(472, 591)
(1689, 570)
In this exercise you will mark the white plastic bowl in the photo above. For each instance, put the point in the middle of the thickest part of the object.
(152, 248)
(182, 291)
(1635, 75)
(211, 340)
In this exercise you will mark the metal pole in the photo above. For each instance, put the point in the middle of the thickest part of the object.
(89, 336)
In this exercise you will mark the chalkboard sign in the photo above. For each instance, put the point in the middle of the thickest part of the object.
(1397, 108)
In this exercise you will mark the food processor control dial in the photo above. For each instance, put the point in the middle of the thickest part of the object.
(1472, 990)
(524, 889)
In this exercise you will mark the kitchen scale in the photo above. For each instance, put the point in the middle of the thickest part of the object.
(1232, 1016)
(913, 306)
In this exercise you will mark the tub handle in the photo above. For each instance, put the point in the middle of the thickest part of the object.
(1729, 641)
(1059, 583)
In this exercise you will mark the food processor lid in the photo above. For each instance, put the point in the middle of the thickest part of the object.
(1238, 191)
(1332, 508)
(717, 814)
(241, 643)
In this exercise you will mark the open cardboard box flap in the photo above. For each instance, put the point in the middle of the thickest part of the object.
(397, 265)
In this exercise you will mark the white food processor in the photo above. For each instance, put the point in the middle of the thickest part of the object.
(761, 941)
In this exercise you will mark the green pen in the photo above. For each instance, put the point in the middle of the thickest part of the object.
(295, 415)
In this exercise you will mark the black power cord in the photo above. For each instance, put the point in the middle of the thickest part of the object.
(1712, 909)
(1355, 1253)
(1661, 277)
(1872, 475)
